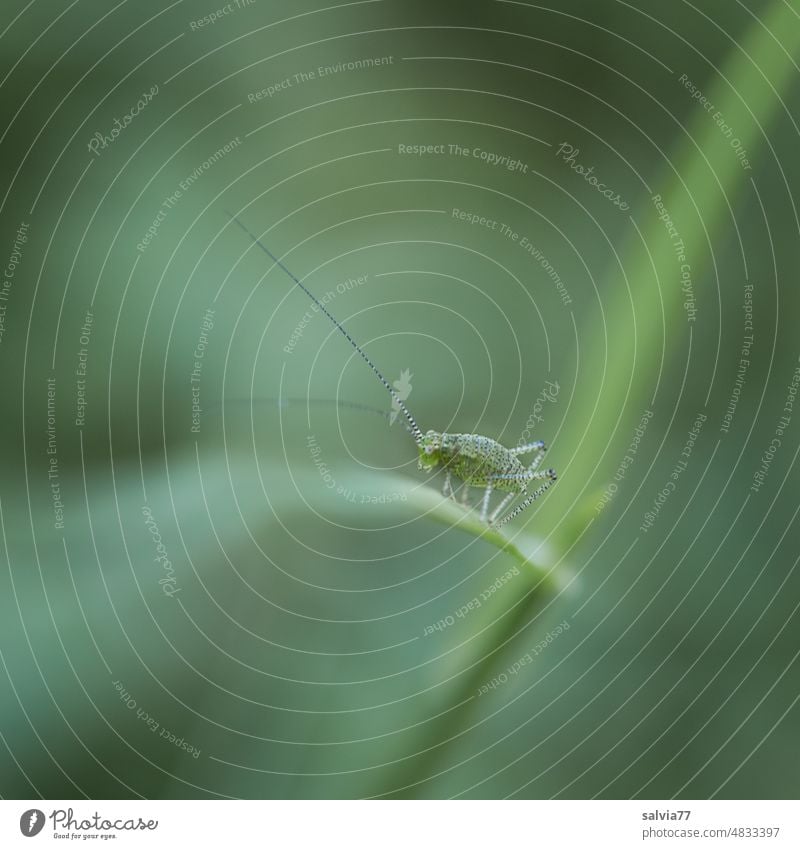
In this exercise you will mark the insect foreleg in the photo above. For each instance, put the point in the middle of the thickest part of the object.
(485, 506)
(447, 489)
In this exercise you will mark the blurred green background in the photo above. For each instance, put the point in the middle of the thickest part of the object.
(250, 602)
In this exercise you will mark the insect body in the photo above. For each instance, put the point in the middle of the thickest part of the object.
(484, 462)
(475, 460)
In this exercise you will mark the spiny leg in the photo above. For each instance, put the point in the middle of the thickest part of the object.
(539, 447)
(526, 503)
(524, 477)
(447, 489)
(502, 506)
(536, 461)
(485, 506)
(528, 475)
(526, 449)
(464, 494)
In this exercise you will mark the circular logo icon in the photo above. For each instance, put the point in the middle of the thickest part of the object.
(31, 822)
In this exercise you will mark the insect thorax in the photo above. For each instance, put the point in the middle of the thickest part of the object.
(474, 459)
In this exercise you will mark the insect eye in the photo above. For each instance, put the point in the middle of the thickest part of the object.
(429, 449)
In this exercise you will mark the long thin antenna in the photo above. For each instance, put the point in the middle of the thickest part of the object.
(415, 431)
(299, 402)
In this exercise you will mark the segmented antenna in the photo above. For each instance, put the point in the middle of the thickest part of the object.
(301, 402)
(415, 431)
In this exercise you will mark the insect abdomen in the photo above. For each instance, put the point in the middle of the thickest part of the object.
(477, 460)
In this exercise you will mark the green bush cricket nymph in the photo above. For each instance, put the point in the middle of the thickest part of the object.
(475, 460)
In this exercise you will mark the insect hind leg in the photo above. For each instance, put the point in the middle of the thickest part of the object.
(500, 507)
(526, 503)
(530, 474)
(537, 446)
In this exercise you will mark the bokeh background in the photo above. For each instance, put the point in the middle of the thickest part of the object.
(205, 593)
